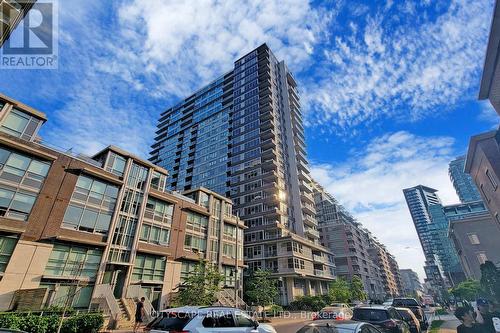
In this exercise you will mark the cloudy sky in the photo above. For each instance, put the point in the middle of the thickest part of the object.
(389, 88)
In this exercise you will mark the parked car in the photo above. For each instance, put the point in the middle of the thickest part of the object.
(195, 319)
(329, 326)
(335, 313)
(410, 318)
(385, 318)
(415, 307)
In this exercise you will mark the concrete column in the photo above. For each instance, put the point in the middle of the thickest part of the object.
(308, 287)
(24, 271)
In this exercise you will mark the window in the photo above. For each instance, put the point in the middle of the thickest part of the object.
(20, 124)
(492, 179)
(66, 293)
(91, 207)
(116, 164)
(71, 261)
(195, 243)
(474, 239)
(159, 211)
(484, 193)
(158, 181)
(155, 234)
(137, 176)
(7, 245)
(481, 257)
(244, 320)
(219, 319)
(229, 232)
(148, 268)
(187, 268)
(228, 250)
(196, 222)
(15, 204)
(20, 169)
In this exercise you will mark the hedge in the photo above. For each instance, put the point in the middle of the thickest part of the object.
(81, 323)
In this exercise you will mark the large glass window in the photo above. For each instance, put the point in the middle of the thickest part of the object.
(116, 164)
(196, 222)
(21, 169)
(20, 124)
(158, 181)
(73, 261)
(92, 205)
(195, 243)
(187, 268)
(15, 204)
(7, 245)
(148, 268)
(155, 234)
(137, 176)
(159, 211)
(63, 293)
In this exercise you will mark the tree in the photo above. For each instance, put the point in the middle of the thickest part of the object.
(357, 289)
(467, 290)
(261, 289)
(340, 291)
(490, 280)
(201, 286)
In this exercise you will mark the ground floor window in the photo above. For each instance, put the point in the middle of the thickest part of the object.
(70, 261)
(7, 245)
(64, 293)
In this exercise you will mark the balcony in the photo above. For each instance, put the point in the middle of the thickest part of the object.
(270, 164)
(270, 143)
(267, 133)
(319, 272)
(305, 186)
(310, 221)
(307, 198)
(308, 208)
(319, 258)
(312, 232)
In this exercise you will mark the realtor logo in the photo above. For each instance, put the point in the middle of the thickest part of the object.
(33, 43)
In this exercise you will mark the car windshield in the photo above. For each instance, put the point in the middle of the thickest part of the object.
(370, 315)
(173, 321)
(405, 302)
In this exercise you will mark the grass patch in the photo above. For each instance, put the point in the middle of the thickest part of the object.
(435, 326)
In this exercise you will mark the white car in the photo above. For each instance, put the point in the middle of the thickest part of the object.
(195, 319)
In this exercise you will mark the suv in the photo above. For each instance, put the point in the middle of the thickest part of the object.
(195, 319)
(415, 307)
(385, 318)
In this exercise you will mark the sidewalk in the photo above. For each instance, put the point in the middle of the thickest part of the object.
(450, 323)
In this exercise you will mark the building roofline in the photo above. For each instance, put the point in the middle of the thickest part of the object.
(491, 58)
(474, 140)
(128, 154)
(204, 189)
(430, 189)
(24, 107)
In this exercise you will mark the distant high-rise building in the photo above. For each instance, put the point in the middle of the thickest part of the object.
(11, 13)
(410, 282)
(463, 183)
(475, 236)
(242, 136)
(419, 199)
(349, 242)
(389, 270)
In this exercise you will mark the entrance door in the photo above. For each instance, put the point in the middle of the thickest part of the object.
(115, 275)
(120, 276)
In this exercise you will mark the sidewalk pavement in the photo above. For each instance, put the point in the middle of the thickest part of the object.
(450, 323)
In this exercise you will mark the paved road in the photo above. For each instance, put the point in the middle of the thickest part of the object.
(289, 327)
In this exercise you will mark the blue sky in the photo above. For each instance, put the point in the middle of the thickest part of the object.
(388, 88)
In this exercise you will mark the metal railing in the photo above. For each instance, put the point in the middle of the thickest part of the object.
(104, 293)
(135, 292)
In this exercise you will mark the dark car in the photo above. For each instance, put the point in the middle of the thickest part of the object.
(385, 318)
(345, 326)
(415, 307)
(410, 319)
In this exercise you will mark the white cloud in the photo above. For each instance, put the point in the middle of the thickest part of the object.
(488, 114)
(403, 63)
(370, 185)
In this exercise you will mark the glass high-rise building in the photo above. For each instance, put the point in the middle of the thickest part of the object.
(419, 200)
(462, 182)
(242, 136)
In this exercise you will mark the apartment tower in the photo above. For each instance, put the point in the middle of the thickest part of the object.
(242, 136)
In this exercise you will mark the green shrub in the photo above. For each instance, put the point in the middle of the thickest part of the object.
(83, 323)
(441, 311)
(274, 310)
(34, 323)
(309, 303)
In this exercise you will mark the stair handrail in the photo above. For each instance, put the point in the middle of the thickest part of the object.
(104, 292)
(135, 292)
